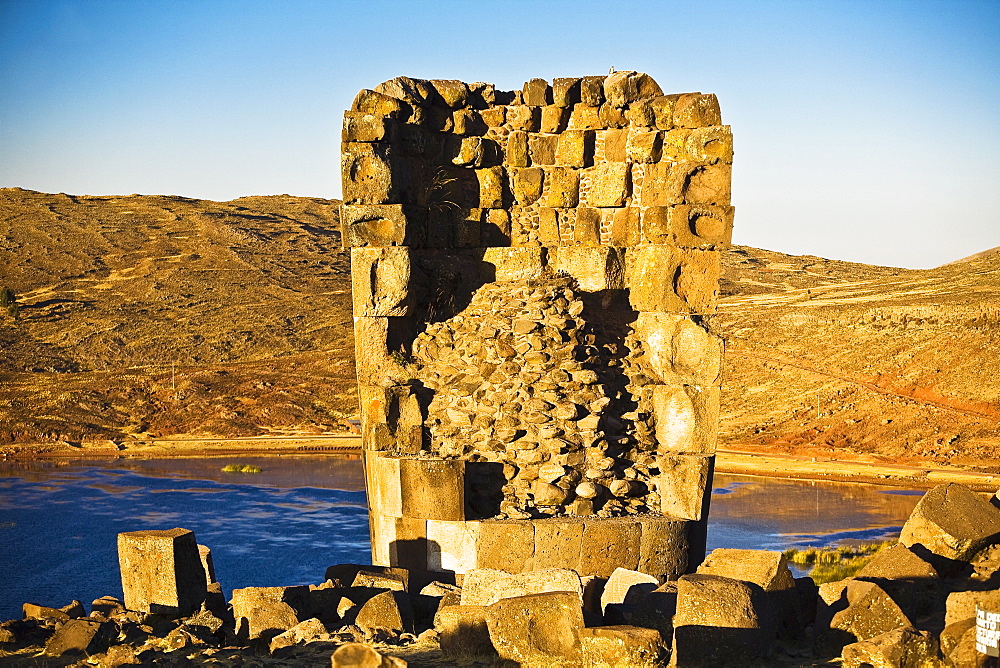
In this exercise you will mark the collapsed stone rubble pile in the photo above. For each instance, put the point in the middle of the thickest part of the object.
(914, 604)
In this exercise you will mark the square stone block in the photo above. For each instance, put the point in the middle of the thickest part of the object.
(689, 225)
(714, 142)
(697, 283)
(565, 91)
(562, 187)
(606, 184)
(433, 489)
(650, 275)
(644, 145)
(384, 484)
(594, 267)
(161, 571)
(526, 184)
(369, 173)
(523, 117)
(683, 484)
(701, 183)
(686, 418)
(376, 364)
(558, 544)
(451, 546)
(542, 148)
(664, 547)
(548, 225)
(609, 544)
(675, 145)
(517, 149)
(491, 187)
(626, 227)
(537, 92)
(694, 110)
(615, 143)
(584, 117)
(380, 281)
(505, 545)
(360, 127)
(554, 118)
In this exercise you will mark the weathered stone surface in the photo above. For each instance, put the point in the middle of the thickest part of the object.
(869, 612)
(389, 610)
(367, 174)
(562, 188)
(683, 483)
(485, 586)
(452, 92)
(627, 587)
(767, 569)
(961, 605)
(526, 184)
(644, 146)
(506, 545)
(624, 88)
(898, 562)
(432, 489)
(357, 655)
(609, 545)
(622, 647)
(542, 148)
(463, 632)
(656, 609)
(565, 91)
(537, 92)
(35, 611)
(310, 629)
(664, 547)
(575, 148)
(594, 267)
(606, 184)
(694, 110)
(537, 630)
(718, 622)
(902, 648)
(380, 280)
(373, 224)
(451, 545)
(161, 571)
(79, 636)
(267, 611)
(952, 522)
(360, 127)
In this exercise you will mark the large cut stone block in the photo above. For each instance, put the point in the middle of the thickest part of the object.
(558, 544)
(664, 547)
(382, 475)
(161, 571)
(869, 612)
(526, 184)
(380, 281)
(694, 110)
(267, 611)
(702, 183)
(683, 485)
(594, 267)
(565, 91)
(360, 127)
(686, 418)
(376, 362)
(650, 275)
(484, 586)
(373, 225)
(80, 636)
(537, 630)
(515, 264)
(377, 103)
(718, 622)
(952, 522)
(903, 647)
(606, 184)
(491, 186)
(517, 149)
(644, 146)
(626, 227)
(433, 489)
(389, 611)
(710, 143)
(697, 282)
(542, 148)
(623, 88)
(369, 174)
(609, 544)
(585, 117)
(689, 225)
(623, 647)
(626, 587)
(463, 632)
(507, 545)
(562, 187)
(575, 148)
(537, 92)
(554, 118)
(524, 117)
(767, 569)
(451, 546)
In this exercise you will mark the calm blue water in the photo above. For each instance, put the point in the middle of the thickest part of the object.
(59, 520)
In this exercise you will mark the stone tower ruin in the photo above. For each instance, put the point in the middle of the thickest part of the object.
(530, 272)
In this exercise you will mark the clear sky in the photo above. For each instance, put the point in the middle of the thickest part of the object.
(865, 131)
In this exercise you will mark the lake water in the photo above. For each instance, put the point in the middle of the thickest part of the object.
(286, 524)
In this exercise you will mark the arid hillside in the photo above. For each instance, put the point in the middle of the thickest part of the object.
(824, 357)
(163, 315)
(167, 315)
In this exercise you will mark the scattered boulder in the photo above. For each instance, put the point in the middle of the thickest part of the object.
(35, 611)
(357, 655)
(961, 605)
(108, 606)
(538, 629)
(626, 587)
(622, 647)
(390, 611)
(902, 648)
(463, 632)
(952, 523)
(267, 611)
(78, 636)
(161, 571)
(310, 629)
(862, 611)
(656, 609)
(952, 634)
(485, 586)
(718, 622)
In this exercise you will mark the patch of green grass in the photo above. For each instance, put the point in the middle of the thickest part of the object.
(241, 468)
(830, 564)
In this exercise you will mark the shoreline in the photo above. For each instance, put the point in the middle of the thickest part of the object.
(731, 461)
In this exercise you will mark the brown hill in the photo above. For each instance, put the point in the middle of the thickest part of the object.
(168, 315)
(173, 315)
(826, 357)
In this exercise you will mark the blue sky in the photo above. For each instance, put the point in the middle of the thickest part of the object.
(865, 131)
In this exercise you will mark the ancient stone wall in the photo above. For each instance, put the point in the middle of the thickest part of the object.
(530, 273)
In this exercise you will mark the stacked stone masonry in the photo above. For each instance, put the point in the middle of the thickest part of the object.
(530, 271)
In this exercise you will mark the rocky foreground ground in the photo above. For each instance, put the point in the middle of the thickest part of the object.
(914, 604)
(144, 317)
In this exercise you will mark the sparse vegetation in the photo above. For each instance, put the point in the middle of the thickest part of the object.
(241, 468)
(8, 301)
(830, 564)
